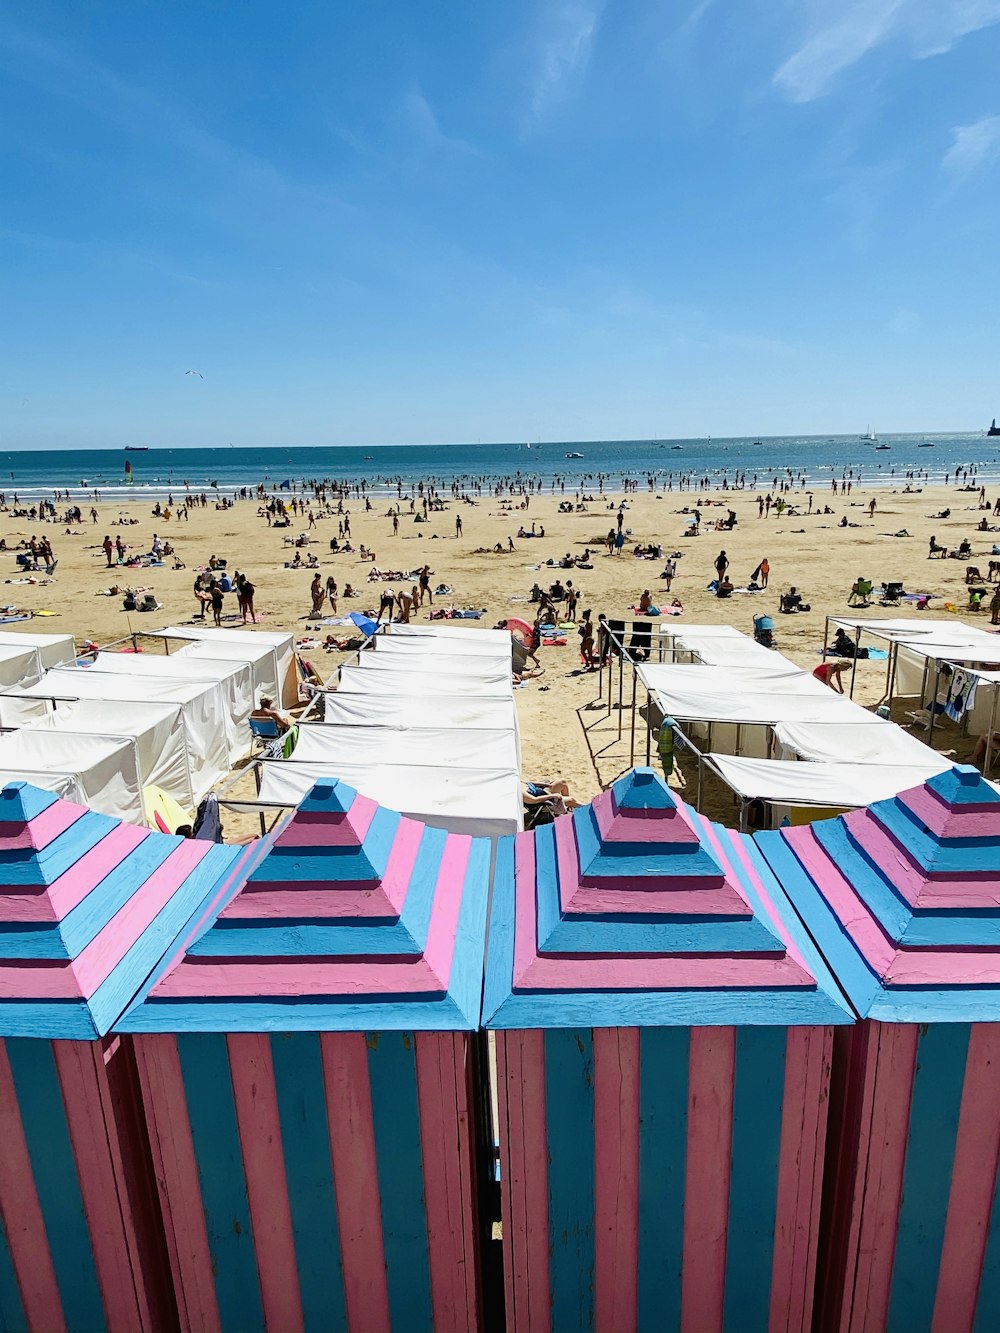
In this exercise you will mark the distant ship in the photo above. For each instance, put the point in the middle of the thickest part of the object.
(882, 446)
(144, 448)
(994, 429)
(927, 444)
(574, 455)
(870, 436)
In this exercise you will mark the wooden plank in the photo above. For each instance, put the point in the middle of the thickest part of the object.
(663, 1108)
(706, 1189)
(616, 1178)
(355, 1174)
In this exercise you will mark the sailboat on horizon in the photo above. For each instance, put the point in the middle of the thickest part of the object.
(870, 437)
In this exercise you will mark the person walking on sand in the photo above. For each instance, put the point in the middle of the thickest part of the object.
(424, 590)
(217, 598)
(458, 525)
(586, 633)
(721, 564)
(871, 507)
(108, 546)
(331, 592)
(318, 594)
(395, 525)
(244, 597)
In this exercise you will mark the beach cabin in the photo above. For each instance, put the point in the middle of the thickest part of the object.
(88, 906)
(308, 1062)
(903, 899)
(664, 1029)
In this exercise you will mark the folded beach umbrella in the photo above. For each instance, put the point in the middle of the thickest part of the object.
(88, 907)
(307, 1064)
(365, 624)
(663, 1069)
(903, 899)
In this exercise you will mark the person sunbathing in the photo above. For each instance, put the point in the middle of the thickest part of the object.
(266, 711)
(553, 794)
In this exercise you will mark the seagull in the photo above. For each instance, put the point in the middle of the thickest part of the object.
(195, 372)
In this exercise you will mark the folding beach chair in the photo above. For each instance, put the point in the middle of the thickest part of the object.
(640, 645)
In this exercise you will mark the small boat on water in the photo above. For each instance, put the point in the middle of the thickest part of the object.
(574, 455)
(927, 444)
(144, 448)
(879, 447)
(869, 436)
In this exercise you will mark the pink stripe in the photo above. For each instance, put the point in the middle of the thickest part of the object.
(665, 825)
(326, 900)
(37, 833)
(673, 893)
(176, 1170)
(394, 884)
(41, 904)
(355, 1174)
(449, 1178)
(945, 821)
(256, 1104)
(616, 1178)
(973, 1180)
(663, 971)
(329, 828)
(22, 1215)
(912, 883)
(101, 1173)
(711, 1071)
(879, 1185)
(524, 1180)
(737, 848)
(808, 1055)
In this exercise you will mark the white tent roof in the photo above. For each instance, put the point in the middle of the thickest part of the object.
(482, 802)
(362, 710)
(391, 746)
(65, 785)
(202, 705)
(106, 769)
(283, 645)
(403, 682)
(844, 785)
(261, 659)
(449, 631)
(864, 741)
(424, 646)
(53, 649)
(19, 665)
(927, 636)
(156, 728)
(482, 670)
(742, 694)
(713, 650)
(234, 679)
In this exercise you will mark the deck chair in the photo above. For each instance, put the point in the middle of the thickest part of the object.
(641, 643)
(891, 593)
(536, 815)
(263, 729)
(860, 594)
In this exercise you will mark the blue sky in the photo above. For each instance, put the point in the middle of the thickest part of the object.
(414, 222)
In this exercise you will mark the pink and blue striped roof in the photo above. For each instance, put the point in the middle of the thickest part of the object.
(354, 917)
(637, 910)
(903, 898)
(89, 906)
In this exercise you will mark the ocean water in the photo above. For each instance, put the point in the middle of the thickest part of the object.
(158, 472)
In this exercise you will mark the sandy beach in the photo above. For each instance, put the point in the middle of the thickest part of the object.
(811, 551)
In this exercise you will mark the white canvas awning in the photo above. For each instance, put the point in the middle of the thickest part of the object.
(234, 679)
(260, 658)
(451, 631)
(363, 710)
(427, 653)
(202, 706)
(465, 747)
(842, 785)
(105, 770)
(156, 728)
(482, 670)
(403, 682)
(484, 803)
(19, 665)
(282, 644)
(53, 649)
(745, 695)
(868, 740)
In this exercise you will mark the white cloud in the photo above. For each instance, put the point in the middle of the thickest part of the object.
(840, 35)
(972, 147)
(563, 53)
(423, 124)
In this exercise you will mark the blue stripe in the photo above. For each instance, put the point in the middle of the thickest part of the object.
(298, 1079)
(988, 1306)
(569, 1126)
(930, 1153)
(758, 1097)
(12, 1316)
(208, 1087)
(392, 1071)
(53, 1167)
(663, 1104)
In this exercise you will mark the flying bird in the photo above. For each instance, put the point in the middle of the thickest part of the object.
(195, 372)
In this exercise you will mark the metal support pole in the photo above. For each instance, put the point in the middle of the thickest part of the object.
(701, 783)
(649, 732)
(933, 703)
(989, 734)
(826, 636)
(854, 664)
(621, 690)
(631, 756)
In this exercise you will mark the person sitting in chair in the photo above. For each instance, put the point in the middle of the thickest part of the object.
(553, 794)
(791, 601)
(844, 646)
(266, 710)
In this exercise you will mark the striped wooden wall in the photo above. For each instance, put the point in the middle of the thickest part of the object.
(912, 1229)
(316, 1181)
(662, 1178)
(80, 1247)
